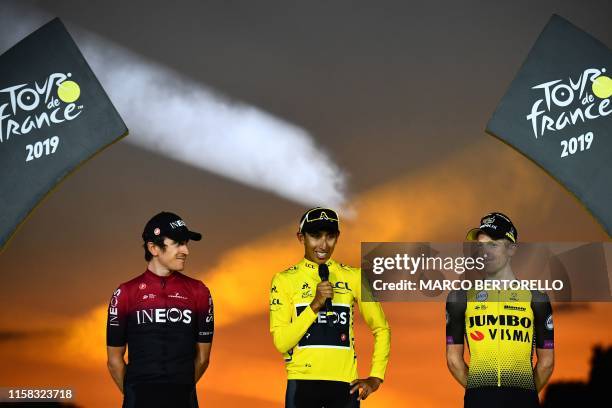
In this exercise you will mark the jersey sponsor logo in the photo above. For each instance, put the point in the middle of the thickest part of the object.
(342, 286)
(481, 307)
(511, 335)
(275, 302)
(321, 335)
(549, 322)
(517, 308)
(477, 335)
(274, 290)
(305, 286)
(172, 315)
(113, 311)
(482, 296)
(307, 294)
(513, 296)
(177, 296)
(504, 320)
(142, 286)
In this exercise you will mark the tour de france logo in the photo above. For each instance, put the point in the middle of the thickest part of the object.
(576, 100)
(40, 104)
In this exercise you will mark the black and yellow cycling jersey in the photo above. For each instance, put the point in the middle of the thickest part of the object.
(502, 328)
(313, 349)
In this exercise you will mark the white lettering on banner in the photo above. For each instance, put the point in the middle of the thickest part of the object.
(39, 103)
(557, 94)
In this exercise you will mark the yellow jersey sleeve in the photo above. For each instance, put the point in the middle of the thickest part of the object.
(374, 317)
(286, 330)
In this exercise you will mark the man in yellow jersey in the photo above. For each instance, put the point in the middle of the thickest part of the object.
(502, 328)
(311, 321)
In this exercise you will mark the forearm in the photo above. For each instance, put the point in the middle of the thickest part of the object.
(380, 356)
(542, 373)
(200, 367)
(288, 335)
(459, 370)
(117, 371)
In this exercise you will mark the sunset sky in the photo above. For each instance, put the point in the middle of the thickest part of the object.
(393, 95)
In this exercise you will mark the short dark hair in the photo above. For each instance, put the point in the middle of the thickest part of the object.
(157, 241)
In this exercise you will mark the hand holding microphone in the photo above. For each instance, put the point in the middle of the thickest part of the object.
(324, 295)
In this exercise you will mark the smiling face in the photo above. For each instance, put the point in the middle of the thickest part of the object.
(497, 252)
(170, 258)
(318, 246)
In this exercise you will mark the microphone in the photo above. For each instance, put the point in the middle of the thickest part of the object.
(329, 311)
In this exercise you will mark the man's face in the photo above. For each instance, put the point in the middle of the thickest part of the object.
(318, 246)
(172, 257)
(497, 252)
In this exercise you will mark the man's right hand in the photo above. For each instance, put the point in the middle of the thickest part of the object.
(324, 291)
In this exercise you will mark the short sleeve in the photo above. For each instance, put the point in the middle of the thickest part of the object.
(117, 321)
(206, 315)
(456, 303)
(542, 320)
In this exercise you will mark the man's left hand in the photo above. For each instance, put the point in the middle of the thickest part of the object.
(365, 386)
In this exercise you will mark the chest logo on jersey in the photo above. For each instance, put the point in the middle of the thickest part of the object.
(177, 296)
(516, 328)
(522, 336)
(172, 315)
(321, 335)
(503, 320)
(341, 287)
(517, 308)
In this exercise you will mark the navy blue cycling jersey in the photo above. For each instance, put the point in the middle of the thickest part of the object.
(160, 319)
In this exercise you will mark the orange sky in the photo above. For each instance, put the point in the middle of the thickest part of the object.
(437, 204)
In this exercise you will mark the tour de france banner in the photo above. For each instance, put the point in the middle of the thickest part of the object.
(428, 272)
(54, 116)
(558, 113)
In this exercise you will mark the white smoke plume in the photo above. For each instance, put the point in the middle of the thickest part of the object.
(186, 121)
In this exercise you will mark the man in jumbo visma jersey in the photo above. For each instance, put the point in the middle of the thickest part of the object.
(311, 321)
(503, 328)
(166, 321)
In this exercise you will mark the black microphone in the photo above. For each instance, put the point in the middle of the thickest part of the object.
(329, 311)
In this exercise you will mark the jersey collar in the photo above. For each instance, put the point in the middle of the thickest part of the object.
(152, 276)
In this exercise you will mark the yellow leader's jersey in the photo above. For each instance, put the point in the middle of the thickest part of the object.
(502, 328)
(314, 350)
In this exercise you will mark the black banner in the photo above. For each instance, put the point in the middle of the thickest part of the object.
(54, 116)
(558, 112)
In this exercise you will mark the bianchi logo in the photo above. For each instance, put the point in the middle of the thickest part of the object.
(40, 104)
(568, 101)
(549, 322)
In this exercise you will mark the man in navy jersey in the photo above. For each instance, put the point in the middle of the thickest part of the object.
(165, 319)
